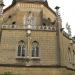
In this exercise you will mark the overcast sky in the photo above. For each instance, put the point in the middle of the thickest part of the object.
(67, 11)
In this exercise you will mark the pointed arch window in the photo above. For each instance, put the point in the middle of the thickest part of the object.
(35, 49)
(21, 49)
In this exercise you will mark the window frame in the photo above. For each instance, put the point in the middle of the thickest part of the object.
(21, 55)
(35, 49)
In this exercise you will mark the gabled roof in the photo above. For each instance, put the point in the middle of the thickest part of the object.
(8, 7)
(44, 3)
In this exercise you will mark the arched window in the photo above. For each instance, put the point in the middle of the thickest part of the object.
(21, 48)
(35, 49)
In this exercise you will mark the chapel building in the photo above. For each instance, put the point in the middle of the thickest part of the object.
(32, 40)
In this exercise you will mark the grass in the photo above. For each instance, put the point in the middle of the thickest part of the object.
(7, 73)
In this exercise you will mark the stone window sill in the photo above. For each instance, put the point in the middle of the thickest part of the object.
(22, 58)
(35, 58)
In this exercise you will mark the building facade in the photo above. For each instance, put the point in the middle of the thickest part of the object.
(32, 40)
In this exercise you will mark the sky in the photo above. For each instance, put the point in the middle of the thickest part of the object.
(67, 11)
